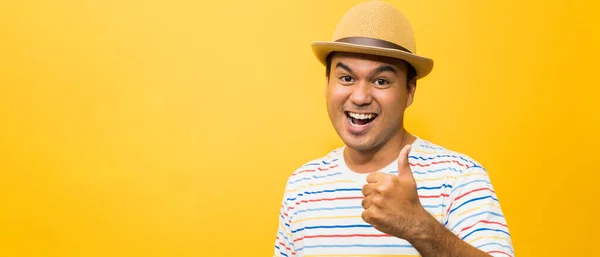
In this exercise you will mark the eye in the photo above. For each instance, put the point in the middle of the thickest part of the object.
(346, 79)
(381, 82)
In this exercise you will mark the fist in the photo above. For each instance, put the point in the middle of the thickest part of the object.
(391, 201)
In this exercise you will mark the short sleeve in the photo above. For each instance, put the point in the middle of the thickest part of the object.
(284, 244)
(475, 216)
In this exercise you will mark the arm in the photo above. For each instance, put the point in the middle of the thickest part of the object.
(474, 224)
(284, 245)
(433, 239)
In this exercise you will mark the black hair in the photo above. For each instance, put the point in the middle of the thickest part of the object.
(411, 73)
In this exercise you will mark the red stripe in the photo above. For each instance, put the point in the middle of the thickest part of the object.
(318, 168)
(490, 252)
(479, 189)
(440, 162)
(482, 221)
(286, 247)
(302, 172)
(433, 196)
(331, 199)
(351, 235)
(330, 167)
(449, 208)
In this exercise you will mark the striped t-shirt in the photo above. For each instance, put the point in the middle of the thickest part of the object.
(321, 208)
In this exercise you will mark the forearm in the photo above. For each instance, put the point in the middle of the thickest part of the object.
(432, 239)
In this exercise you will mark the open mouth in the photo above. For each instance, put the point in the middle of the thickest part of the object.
(360, 119)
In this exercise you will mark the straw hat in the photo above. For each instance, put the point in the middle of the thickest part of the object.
(376, 28)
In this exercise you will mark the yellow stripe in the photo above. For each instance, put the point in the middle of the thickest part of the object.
(476, 208)
(321, 184)
(439, 215)
(490, 237)
(326, 217)
(425, 152)
(449, 177)
(434, 179)
(473, 174)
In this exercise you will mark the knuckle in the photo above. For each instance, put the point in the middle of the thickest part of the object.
(365, 216)
(382, 188)
(364, 203)
(371, 176)
(378, 200)
(395, 181)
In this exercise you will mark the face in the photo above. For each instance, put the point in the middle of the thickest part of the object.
(366, 99)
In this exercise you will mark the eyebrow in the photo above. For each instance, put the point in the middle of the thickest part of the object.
(380, 69)
(343, 66)
(384, 68)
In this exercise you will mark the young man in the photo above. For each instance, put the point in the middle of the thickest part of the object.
(386, 192)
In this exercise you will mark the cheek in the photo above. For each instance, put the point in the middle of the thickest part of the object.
(392, 105)
(336, 96)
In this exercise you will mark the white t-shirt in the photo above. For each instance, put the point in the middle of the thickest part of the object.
(321, 208)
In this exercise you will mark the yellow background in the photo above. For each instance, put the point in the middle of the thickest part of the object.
(169, 128)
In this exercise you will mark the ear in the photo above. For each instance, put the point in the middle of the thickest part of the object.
(411, 91)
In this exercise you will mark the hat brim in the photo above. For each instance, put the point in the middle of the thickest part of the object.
(422, 65)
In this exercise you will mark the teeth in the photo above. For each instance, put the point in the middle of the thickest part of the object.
(360, 116)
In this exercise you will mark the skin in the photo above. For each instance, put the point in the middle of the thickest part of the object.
(372, 84)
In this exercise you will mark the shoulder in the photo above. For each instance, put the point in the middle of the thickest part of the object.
(428, 154)
(315, 169)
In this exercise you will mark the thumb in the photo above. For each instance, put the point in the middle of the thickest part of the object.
(403, 165)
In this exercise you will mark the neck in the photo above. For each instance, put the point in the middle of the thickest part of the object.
(378, 158)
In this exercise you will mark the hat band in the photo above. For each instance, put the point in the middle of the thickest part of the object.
(367, 41)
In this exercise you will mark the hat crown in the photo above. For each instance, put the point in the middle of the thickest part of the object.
(378, 20)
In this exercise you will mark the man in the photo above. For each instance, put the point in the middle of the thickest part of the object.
(386, 192)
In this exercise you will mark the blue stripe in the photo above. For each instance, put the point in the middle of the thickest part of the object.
(328, 175)
(311, 164)
(433, 147)
(501, 245)
(284, 237)
(323, 191)
(318, 163)
(434, 206)
(472, 200)
(471, 182)
(485, 229)
(315, 177)
(435, 171)
(330, 161)
(280, 252)
(334, 226)
(474, 215)
(284, 221)
(432, 188)
(444, 155)
(300, 179)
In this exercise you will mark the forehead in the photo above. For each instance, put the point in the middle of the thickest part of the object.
(366, 61)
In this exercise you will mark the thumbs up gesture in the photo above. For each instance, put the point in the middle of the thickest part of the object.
(391, 201)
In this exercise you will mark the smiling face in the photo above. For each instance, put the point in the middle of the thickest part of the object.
(366, 99)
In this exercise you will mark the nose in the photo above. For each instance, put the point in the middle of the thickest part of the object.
(361, 94)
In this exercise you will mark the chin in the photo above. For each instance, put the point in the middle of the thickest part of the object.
(358, 143)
